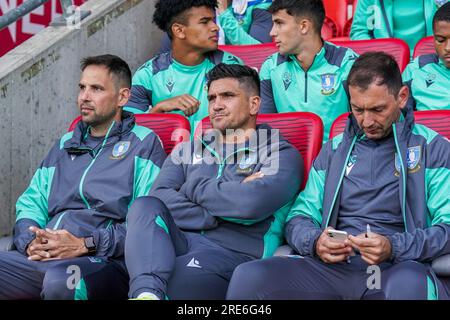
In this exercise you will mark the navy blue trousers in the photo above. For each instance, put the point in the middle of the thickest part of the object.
(171, 263)
(295, 277)
(78, 278)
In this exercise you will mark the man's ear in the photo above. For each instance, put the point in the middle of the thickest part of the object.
(305, 26)
(178, 31)
(124, 96)
(255, 103)
(403, 96)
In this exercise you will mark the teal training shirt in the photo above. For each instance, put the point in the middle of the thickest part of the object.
(429, 81)
(286, 87)
(163, 77)
(409, 22)
(252, 27)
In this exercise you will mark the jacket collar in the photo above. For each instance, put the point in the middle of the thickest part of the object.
(116, 131)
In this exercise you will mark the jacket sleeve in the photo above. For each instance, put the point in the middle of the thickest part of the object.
(256, 200)
(32, 205)
(361, 21)
(267, 98)
(110, 241)
(168, 188)
(141, 90)
(304, 221)
(429, 243)
(259, 28)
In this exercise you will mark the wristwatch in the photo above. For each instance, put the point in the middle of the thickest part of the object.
(90, 245)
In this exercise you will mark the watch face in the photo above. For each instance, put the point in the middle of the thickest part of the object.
(89, 243)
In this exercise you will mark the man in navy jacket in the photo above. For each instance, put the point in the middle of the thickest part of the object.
(219, 200)
(70, 226)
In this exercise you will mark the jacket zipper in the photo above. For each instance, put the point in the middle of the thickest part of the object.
(90, 165)
(340, 180)
(403, 175)
(306, 86)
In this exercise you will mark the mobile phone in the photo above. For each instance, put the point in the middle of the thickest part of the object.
(337, 235)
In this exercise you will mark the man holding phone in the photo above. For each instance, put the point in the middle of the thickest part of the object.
(384, 182)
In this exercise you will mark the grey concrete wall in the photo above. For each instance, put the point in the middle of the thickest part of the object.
(39, 85)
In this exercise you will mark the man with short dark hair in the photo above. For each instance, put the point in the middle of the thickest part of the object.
(428, 76)
(219, 201)
(175, 81)
(71, 220)
(307, 74)
(241, 22)
(384, 182)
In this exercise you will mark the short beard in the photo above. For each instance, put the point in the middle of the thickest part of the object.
(98, 120)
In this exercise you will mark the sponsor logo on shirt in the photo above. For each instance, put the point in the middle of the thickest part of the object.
(287, 80)
(328, 80)
(194, 263)
(350, 164)
(169, 84)
(430, 79)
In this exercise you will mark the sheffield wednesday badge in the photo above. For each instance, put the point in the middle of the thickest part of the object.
(328, 81)
(120, 148)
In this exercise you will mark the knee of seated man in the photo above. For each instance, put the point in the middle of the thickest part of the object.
(249, 276)
(60, 283)
(405, 281)
(146, 207)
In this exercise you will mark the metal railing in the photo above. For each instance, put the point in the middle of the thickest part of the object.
(68, 17)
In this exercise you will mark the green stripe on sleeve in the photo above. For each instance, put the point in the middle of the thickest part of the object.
(145, 173)
(309, 202)
(438, 190)
(33, 203)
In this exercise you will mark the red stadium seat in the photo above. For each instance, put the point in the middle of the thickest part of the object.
(396, 47)
(329, 29)
(253, 55)
(337, 11)
(171, 128)
(424, 46)
(304, 130)
(437, 120)
(338, 125)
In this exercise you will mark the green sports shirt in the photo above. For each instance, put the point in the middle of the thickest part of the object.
(286, 87)
(429, 81)
(163, 77)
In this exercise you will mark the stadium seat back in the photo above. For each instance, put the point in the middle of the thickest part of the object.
(337, 11)
(396, 47)
(252, 55)
(424, 46)
(437, 120)
(304, 130)
(170, 128)
(329, 29)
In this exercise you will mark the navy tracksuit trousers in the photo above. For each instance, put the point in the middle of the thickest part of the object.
(171, 263)
(296, 277)
(68, 279)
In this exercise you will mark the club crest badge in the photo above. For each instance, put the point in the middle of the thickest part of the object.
(120, 148)
(413, 157)
(328, 81)
(246, 163)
